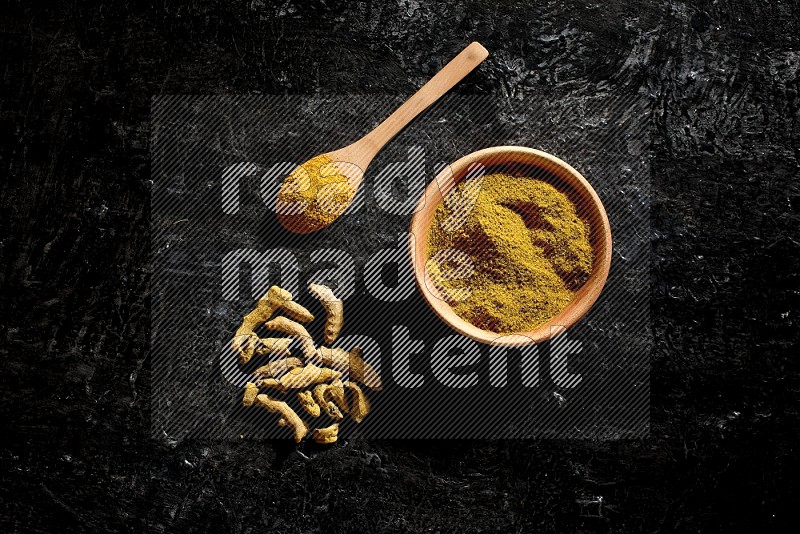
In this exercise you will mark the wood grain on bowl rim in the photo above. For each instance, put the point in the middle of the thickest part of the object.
(577, 188)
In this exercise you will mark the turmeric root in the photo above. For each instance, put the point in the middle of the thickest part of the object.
(308, 403)
(263, 311)
(333, 411)
(249, 345)
(316, 378)
(269, 383)
(266, 346)
(269, 303)
(296, 330)
(283, 409)
(250, 393)
(334, 309)
(278, 367)
(309, 375)
(328, 406)
(326, 435)
(296, 311)
(353, 361)
(337, 358)
(360, 405)
(335, 392)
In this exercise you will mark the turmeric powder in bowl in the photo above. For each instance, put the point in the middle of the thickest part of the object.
(529, 252)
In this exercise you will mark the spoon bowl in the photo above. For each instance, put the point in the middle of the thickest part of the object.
(317, 192)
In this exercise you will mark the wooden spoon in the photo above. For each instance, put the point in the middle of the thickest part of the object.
(319, 190)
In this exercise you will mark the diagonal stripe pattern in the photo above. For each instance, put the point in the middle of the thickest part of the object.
(217, 247)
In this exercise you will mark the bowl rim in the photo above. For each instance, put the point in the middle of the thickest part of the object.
(584, 298)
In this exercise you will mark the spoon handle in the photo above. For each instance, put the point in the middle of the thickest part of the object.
(444, 80)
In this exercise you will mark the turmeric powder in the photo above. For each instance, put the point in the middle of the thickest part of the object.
(313, 195)
(529, 252)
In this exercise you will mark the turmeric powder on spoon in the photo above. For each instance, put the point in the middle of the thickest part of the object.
(529, 249)
(318, 190)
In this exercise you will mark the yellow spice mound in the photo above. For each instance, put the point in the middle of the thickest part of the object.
(529, 248)
(318, 191)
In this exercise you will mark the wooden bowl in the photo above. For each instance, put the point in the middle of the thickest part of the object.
(523, 162)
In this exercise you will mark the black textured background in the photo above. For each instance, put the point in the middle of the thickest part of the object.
(77, 80)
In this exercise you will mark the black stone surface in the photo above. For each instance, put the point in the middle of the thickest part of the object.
(722, 78)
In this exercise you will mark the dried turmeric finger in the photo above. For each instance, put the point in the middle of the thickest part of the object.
(333, 411)
(296, 330)
(362, 371)
(326, 435)
(245, 346)
(296, 311)
(353, 362)
(283, 299)
(335, 392)
(328, 406)
(319, 394)
(249, 345)
(307, 376)
(268, 346)
(278, 367)
(275, 298)
(334, 309)
(283, 409)
(308, 403)
(269, 383)
(360, 406)
(250, 393)
(263, 311)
